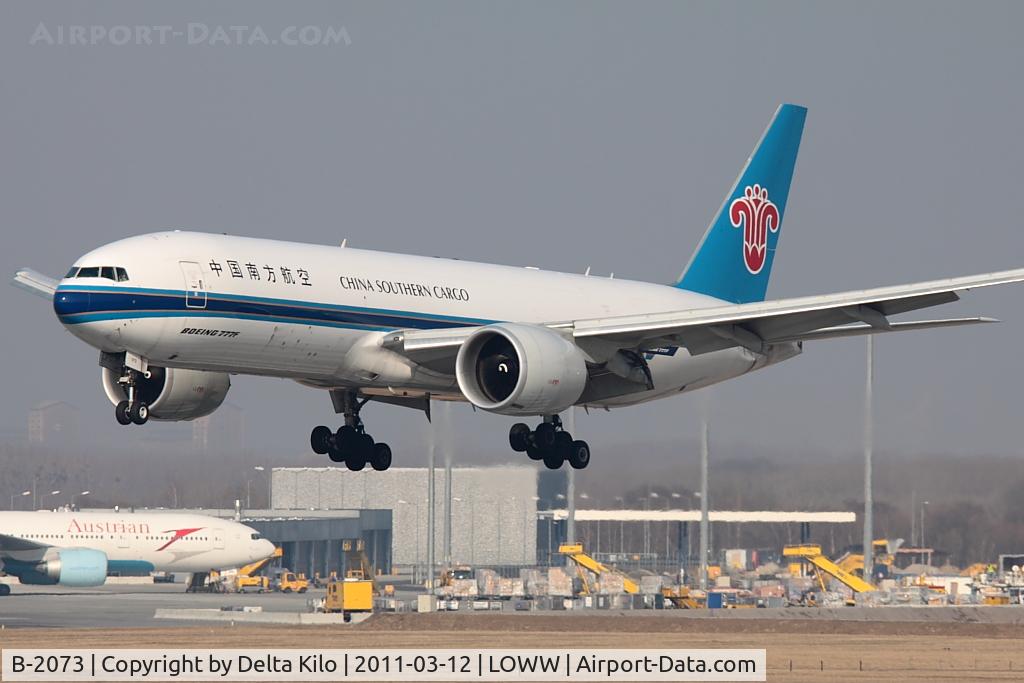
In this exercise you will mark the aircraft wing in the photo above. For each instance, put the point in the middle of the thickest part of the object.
(10, 544)
(759, 324)
(35, 283)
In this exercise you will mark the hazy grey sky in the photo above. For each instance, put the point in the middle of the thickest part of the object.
(560, 135)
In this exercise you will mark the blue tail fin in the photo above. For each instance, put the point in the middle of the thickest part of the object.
(734, 260)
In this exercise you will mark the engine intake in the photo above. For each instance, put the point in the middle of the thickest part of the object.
(520, 369)
(173, 394)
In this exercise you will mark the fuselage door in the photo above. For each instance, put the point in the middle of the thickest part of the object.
(195, 286)
(218, 539)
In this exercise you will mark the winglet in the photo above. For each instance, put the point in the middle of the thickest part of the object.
(35, 283)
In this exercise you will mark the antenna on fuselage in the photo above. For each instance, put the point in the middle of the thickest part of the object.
(344, 243)
(587, 271)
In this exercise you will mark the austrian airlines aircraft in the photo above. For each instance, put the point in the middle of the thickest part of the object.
(173, 314)
(81, 548)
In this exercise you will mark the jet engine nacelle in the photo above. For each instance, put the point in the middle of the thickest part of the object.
(519, 369)
(172, 393)
(79, 567)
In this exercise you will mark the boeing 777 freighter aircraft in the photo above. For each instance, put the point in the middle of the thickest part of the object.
(81, 548)
(175, 313)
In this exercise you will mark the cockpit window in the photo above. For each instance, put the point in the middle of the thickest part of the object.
(72, 272)
(116, 274)
(255, 537)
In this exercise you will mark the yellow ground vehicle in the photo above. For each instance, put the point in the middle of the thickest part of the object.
(289, 582)
(585, 563)
(883, 550)
(348, 596)
(822, 565)
(248, 577)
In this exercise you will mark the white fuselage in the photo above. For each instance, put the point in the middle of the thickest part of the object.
(138, 542)
(318, 314)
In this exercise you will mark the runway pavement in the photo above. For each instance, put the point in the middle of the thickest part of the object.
(125, 606)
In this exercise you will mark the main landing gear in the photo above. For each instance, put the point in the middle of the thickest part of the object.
(351, 444)
(134, 410)
(551, 443)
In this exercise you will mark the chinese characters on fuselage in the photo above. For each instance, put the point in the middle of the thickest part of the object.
(284, 275)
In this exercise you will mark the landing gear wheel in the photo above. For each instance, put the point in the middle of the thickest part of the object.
(121, 413)
(534, 453)
(519, 437)
(139, 413)
(335, 454)
(579, 455)
(553, 459)
(544, 435)
(320, 440)
(355, 462)
(381, 459)
(563, 442)
(345, 438)
(4, 589)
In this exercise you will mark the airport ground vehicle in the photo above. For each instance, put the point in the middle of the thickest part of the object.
(289, 582)
(348, 596)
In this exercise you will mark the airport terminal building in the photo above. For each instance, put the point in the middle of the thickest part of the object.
(494, 509)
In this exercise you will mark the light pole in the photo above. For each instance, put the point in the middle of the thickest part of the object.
(55, 492)
(585, 496)
(622, 526)
(668, 524)
(653, 495)
(80, 493)
(924, 506)
(22, 494)
(270, 483)
(869, 537)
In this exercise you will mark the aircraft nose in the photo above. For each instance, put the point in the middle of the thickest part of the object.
(264, 549)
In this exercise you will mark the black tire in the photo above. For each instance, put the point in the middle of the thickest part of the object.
(139, 413)
(365, 446)
(519, 437)
(4, 589)
(381, 459)
(345, 438)
(563, 442)
(579, 455)
(534, 453)
(335, 455)
(544, 435)
(121, 413)
(355, 462)
(320, 440)
(553, 459)
(287, 590)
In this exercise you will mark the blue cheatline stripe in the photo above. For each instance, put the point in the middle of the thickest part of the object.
(219, 296)
(76, 304)
(129, 567)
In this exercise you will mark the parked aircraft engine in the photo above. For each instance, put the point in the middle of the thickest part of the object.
(171, 393)
(518, 369)
(77, 567)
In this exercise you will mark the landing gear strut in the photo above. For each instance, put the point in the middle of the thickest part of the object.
(351, 444)
(551, 443)
(134, 410)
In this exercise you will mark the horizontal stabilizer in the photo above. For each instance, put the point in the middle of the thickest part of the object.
(35, 283)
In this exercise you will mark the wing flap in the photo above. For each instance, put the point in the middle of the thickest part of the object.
(709, 329)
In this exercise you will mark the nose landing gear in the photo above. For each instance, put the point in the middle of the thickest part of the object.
(351, 444)
(550, 443)
(134, 410)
